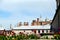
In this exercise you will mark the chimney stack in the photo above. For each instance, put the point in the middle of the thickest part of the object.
(26, 24)
(33, 22)
(19, 24)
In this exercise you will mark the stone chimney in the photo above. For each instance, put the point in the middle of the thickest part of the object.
(37, 22)
(26, 23)
(33, 22)
(19, 24)
(37, 19)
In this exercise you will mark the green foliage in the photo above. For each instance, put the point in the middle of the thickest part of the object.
(2, 37)
(32, 36)
(46, 37)
(57, 36)
(24, 36)
(18, 37)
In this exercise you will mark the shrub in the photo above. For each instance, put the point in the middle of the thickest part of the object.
(46, 37)
(2, 37)
(33, 36)
(57, 36)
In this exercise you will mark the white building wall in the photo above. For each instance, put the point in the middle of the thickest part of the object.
(40, 31)
(44, 31)
(28, 31)
(17, 31)
(24, 31)
(36, 31)
(48, 31)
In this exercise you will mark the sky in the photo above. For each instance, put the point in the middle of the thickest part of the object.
(14, 11)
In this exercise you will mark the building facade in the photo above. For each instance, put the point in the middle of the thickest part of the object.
(1, 31)
(37, 26)
(32, 29)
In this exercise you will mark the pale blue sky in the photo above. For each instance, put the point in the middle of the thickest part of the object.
(13, 11)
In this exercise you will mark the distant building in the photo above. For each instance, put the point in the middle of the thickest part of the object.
(1, 31)
(40, 22)
(7, 32)
(32, 29)
(38, 26)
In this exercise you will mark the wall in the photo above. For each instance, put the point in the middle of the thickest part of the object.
(30, 31)
(55, 23)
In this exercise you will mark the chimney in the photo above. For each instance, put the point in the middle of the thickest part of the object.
(37, 19)
(19, 24)
(33, 22)
(26, 23)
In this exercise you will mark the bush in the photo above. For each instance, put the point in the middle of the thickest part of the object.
(57, 36)
(33, 36)
(2, 37)
(46, 37)
(18, 37)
